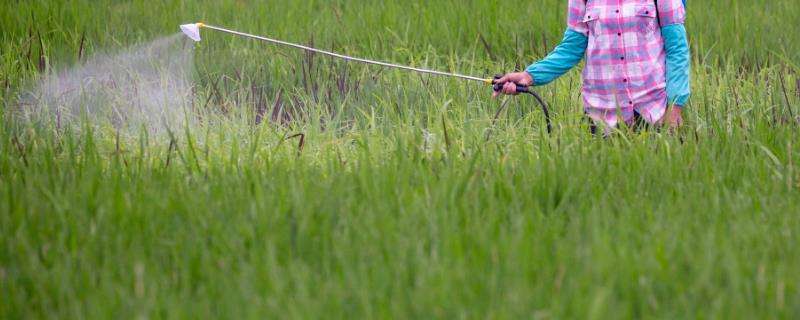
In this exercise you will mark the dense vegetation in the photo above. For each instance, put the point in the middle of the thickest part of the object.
(316, 188)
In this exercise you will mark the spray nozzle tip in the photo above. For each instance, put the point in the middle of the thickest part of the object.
(192, 30)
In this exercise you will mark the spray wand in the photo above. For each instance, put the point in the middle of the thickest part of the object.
(192, 31)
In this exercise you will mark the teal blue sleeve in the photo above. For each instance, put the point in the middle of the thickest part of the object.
(678, 64)
(563, 58)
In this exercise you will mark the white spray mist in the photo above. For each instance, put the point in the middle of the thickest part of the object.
(146, 86)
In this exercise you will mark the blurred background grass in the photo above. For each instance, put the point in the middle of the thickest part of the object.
(747, 33)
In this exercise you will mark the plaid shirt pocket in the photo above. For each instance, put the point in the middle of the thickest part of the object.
(590, 19)
(646, 18)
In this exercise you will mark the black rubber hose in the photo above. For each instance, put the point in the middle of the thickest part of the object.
(527, 89)
(545, 110)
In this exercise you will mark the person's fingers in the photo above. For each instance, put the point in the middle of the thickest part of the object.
(675, 122)
(503, 79)
(510, 88)
(510, 82)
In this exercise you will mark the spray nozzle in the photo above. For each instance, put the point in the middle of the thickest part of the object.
(192, 30)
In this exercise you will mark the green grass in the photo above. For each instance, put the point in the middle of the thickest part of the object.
(397, 205)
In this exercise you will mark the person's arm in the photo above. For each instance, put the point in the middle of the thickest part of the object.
(678, 64)
(565, 57)
(672, 16)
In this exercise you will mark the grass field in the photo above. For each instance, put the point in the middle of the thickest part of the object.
(404, 199)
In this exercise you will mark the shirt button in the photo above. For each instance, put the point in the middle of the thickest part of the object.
(622, 58)
(619, 34)
(630, 102)
(617, 11)
(624, 80)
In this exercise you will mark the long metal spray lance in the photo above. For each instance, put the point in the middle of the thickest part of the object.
(192, 30)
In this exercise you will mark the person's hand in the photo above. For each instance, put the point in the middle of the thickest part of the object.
(674, 117)
(510, 82)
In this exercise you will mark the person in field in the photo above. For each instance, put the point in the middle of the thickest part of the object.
(637, 60)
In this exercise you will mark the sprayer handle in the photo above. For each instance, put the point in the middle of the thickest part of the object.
(521, 88)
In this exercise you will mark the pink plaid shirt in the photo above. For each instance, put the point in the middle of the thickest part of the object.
(625, 58)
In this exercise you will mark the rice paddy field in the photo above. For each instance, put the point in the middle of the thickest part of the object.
(302, 187)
